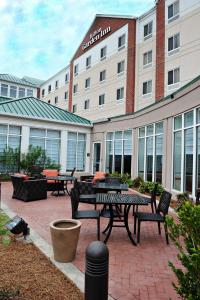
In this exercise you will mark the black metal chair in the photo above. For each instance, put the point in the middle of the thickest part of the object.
(158, 217)
(83, 214)
(152, 200)
(198, 197)
(87, 189)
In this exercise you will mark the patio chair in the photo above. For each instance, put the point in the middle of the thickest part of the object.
(87, 189)
(152, 200)
(29, 190)
(198, 197)
(158, 217)
(52, 185)
(83, 214)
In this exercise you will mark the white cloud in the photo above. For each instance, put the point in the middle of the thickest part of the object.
(39, 37)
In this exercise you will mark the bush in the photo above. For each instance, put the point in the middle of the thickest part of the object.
(181, 198)
(186, 237)
(137, 181)
(148, 187)
(36, 156)
(124, 178)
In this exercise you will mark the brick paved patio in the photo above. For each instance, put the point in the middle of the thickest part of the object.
(140, 272)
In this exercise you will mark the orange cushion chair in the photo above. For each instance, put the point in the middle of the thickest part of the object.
(99, 176)
(51, 184)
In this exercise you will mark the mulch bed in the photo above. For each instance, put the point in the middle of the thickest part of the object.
(23, 267)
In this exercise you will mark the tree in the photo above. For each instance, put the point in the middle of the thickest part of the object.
(186, 237)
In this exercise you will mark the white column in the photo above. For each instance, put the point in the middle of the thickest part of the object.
(134, 160)
(63, 150)
(25, 139)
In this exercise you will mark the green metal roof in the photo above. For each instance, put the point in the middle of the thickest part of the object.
(5, 99)
(34, 81)
(35, 108)
(14, 79)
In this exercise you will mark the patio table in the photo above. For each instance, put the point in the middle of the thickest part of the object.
(59, 179)
(124, 199)
(109, 187)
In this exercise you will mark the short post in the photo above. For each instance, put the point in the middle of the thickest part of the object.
(96, 272)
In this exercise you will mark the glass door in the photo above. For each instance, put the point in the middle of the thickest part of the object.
(96, 156)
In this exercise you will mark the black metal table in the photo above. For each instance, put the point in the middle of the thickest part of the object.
(109, 187)
(124, 199)
(59, 179)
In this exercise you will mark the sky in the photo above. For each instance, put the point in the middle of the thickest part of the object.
(39, 37)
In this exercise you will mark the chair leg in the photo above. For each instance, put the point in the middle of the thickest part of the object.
(135, 224)
(159, 229)
(138, 232)
(107, 227)
(133, 209)
(98, 229)
(166, 233)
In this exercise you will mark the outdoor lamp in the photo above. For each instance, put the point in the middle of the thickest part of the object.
(17, 225)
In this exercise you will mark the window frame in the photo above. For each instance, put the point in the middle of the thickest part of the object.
(149, 34)
(86, 62)
(100, 96)
(173, 75)
(120, 38)
(147, 82)
(174, 16)
(101, 51)
(120, 92)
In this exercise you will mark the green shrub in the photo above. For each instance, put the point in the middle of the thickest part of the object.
(137, 181)
(124, 178)
(186, 237)
(148, 187)
(181, 198)
(4, 233)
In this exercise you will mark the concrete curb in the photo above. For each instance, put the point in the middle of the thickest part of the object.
(68, 269)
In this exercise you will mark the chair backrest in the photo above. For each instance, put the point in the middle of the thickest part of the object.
(85, 187)
(164, 203)
(74, 201)
(112, 180)
(73, 171)
(50, 172)
(198, 197)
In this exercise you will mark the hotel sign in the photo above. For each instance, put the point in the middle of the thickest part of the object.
(95, 36)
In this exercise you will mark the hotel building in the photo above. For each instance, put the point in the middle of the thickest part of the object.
(134, 86)
(55, 90)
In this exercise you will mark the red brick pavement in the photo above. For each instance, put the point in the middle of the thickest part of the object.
(140, 272)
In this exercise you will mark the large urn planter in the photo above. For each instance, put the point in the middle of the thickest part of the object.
(64, 235)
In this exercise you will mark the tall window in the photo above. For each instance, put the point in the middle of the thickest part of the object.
(101, 99)
(121, 41)
(147, 87)
(174, 76)
(86, 104)
(66, 95)
(66, 77)
(4, 90)
(21, 92)
(150, 152)
(10, 137)
(56, 99)
(49, 140)
(49, 88)
(148, 29)
(120, 93)
(56, 84)
(43, 92)
(102, 75)
(75, 88)
(76, 70)
(88, 62)
(103, 53)
(173, 11)
(13, 91)
(120, 67)
(87, 83)
(29, 93)
(119, 151)
(186, 155)
(147, 58)
(174, 42)
(74, 108)
(76, 151)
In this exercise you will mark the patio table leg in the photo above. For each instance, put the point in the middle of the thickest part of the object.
(110, 224)
(126, 212)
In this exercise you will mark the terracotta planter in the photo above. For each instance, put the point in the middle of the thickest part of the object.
(64, 235)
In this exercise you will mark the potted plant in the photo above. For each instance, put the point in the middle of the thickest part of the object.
(64, 235)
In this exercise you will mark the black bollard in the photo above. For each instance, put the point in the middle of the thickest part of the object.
(96, 271)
